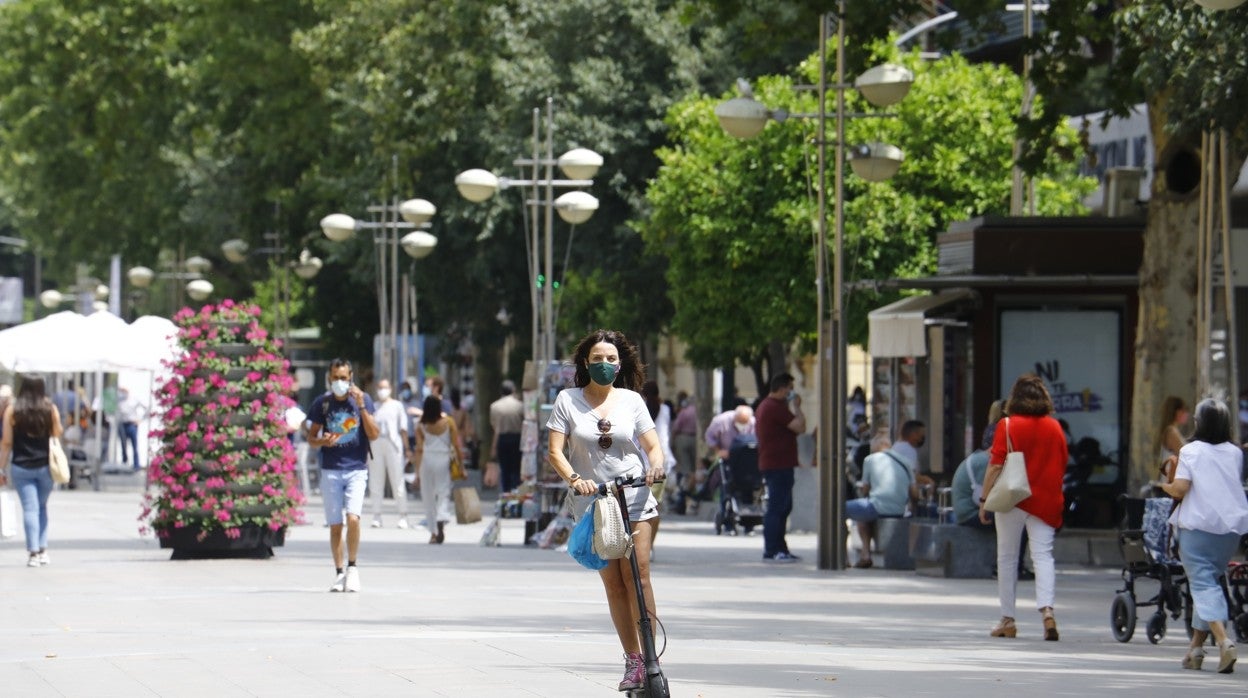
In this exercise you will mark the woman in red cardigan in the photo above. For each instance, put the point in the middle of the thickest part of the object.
(1028, 428)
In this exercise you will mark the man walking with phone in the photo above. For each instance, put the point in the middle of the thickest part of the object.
(342, 426)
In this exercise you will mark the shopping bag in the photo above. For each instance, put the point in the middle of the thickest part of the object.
(581, 543)
(8, 514)
(467, 505)
(489, 538)
(1012, 485)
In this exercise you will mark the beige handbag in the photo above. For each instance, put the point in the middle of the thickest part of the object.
(58, 463)
(1012, 485)
(611, 541)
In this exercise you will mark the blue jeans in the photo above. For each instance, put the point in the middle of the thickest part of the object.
(130, 435)
(1204, 558)
(779, 506)
(342, 492)
(33, 486)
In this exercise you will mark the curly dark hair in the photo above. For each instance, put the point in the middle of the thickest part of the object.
(1029, 396)
(631, 374)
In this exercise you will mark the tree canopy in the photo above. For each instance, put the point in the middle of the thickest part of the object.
(736, 218)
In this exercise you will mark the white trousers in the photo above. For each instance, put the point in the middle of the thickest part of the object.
(1009, 539)
(435, 488)
(387, 460)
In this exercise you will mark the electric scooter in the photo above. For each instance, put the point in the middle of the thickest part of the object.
(656, 683)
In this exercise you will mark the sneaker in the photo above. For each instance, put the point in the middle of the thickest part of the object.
(634, 672)
(340, 582)
(33, 561)
(377, 522)
(402, 523)
(353, 579)
(1226, 657)
(780, 558)
(44, 559)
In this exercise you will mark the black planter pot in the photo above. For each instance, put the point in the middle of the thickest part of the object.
(191, 543)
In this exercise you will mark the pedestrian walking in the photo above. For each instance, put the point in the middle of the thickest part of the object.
(608, 433)
(1029, 428)
(342, 426)
(506, 420)
(390, 454)
(777, 421)
(436, 437)
(1211, 517)
(129, 413)
(685, 438)
(29, 423)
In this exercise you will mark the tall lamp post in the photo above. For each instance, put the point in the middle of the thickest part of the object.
(579, 166)
(306, 267)
(410, 215)
(197, 287)
(744, 117)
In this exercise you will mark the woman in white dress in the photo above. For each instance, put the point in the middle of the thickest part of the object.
(608, 433)
(436, 435)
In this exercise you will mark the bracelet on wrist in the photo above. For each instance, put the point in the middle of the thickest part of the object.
(573, 478)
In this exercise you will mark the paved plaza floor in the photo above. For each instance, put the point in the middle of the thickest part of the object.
(113, 616)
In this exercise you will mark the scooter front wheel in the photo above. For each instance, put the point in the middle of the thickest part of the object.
(656, 686)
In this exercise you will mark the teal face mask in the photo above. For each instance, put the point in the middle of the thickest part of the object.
(603, 373)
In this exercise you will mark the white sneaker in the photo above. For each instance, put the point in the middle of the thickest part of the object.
(402, 523)
(44, 559)
(340, 583)
(33, 561)
(353, 579)
(376, 522)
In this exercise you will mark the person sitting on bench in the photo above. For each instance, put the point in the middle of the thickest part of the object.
(888, 486)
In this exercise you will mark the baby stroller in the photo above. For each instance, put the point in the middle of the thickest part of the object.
(740, 483)
(1147, 553)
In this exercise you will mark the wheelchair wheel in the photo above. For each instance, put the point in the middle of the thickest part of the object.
(1156, 628)
(1122, 617)
(719, 522)
(1241, 627)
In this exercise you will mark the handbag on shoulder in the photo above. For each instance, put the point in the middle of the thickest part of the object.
(1012, 485)
(58, 463)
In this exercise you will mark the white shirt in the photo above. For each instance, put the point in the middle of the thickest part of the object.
(629, 419)
(1216, 502)
(663, 428)
(391, 421)
(908, 453)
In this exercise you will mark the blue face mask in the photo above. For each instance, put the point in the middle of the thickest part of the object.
(603, 373)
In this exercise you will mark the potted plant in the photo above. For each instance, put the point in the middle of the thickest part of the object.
(223, 482)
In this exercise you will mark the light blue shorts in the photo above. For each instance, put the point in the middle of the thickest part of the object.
(343, 493)
(861, 510)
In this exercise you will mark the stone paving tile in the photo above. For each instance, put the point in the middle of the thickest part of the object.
(113, 616)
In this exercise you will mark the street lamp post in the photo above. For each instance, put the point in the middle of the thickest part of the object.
(306, 267)
(197, 287)
(744, 117)
(412, 215)
(579, 165)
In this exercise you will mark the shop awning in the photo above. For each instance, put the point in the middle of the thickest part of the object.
(898, 329)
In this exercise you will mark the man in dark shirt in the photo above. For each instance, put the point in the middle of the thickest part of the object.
(777, 422)
(342, 426)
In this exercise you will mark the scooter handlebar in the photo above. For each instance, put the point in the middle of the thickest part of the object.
(638, 481)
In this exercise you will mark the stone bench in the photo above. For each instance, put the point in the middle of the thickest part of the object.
(950, 550)
(892, 539)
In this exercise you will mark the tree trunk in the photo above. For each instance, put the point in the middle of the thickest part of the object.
(1166, 341)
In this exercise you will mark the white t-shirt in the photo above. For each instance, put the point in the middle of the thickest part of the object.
(629, 418)
(1216, 502)
(391, 421)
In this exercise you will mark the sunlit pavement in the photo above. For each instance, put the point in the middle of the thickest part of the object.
(113, 616)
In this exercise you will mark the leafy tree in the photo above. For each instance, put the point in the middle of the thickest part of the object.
(736, 217)
(1188, 65)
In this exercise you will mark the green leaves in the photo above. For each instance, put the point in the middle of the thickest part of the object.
(737, 216)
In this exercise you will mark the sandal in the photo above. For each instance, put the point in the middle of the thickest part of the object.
(1050, 624)
(1194, 658)
(1004, 628)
